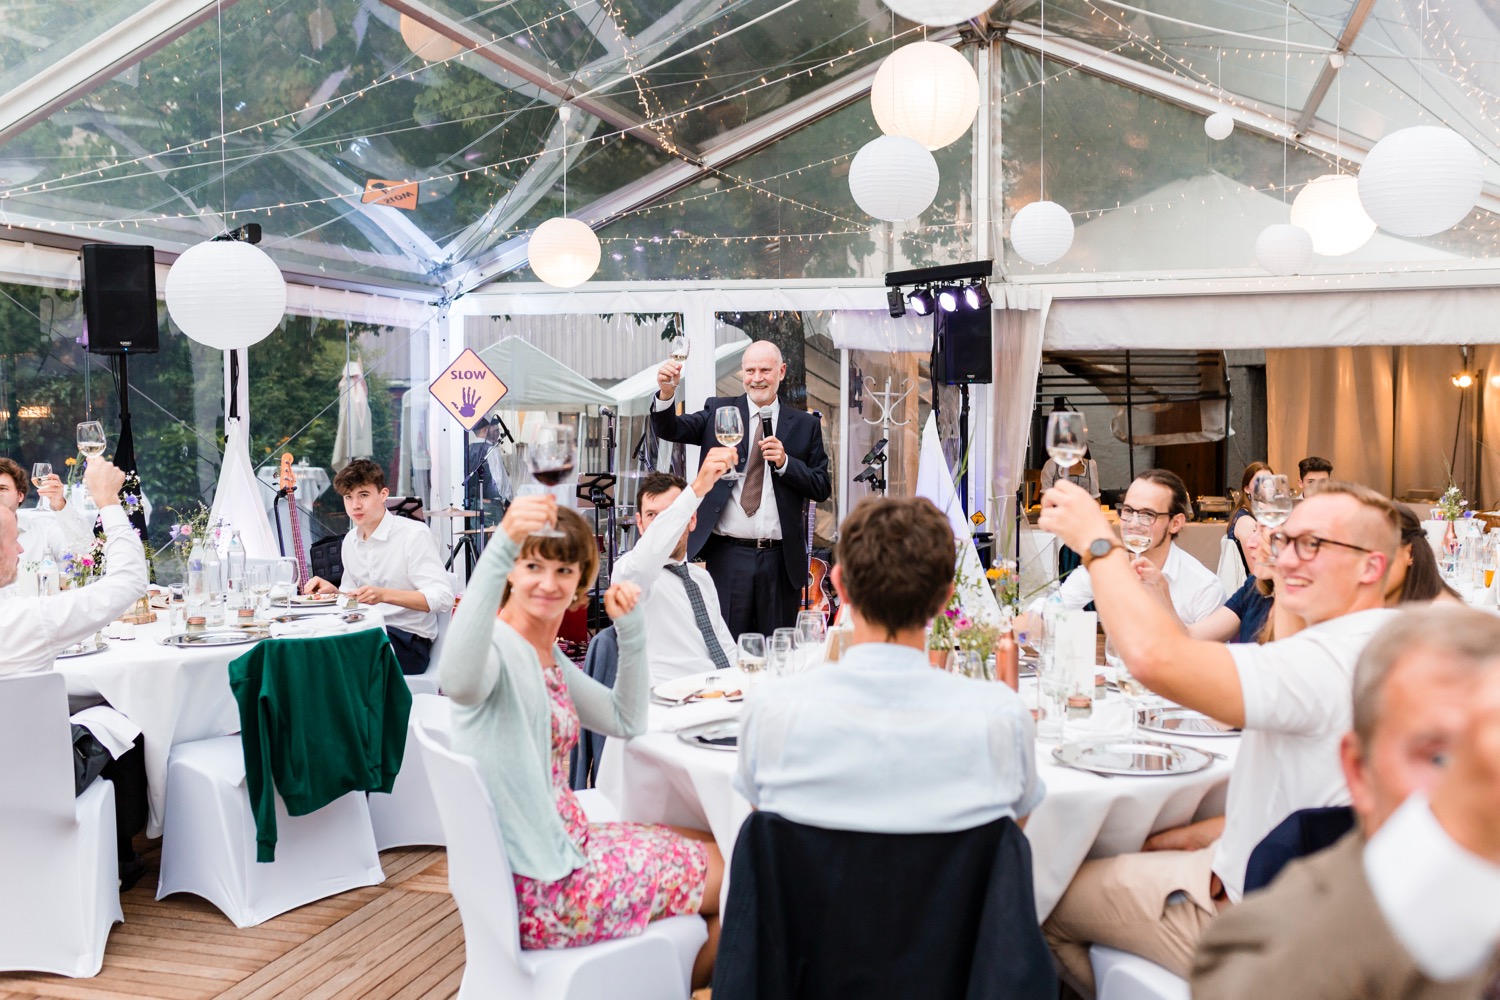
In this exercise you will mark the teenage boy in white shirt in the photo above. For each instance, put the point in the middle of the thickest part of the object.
(1291, 698)
(390, 560)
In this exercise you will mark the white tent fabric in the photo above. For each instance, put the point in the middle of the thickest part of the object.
(633, 395)
(880, 331)
(355, 437)
(1020, 316)
(237, 499)
(935, 482)
(536, 381)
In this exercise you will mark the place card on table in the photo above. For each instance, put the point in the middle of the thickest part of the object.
(1075, 648)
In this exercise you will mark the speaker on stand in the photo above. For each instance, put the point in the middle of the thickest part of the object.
(963, 357)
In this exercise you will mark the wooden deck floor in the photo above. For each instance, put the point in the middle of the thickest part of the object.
(400, 940)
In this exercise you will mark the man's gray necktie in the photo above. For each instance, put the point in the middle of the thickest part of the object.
(700, 615)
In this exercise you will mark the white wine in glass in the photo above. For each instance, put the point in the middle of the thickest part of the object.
(1067, 437)
(1271, 500)
(1136, 539)
(729, 428)
(679, 353)
(40, 471)
(91, 440)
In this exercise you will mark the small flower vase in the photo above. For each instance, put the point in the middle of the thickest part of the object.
(938, 658)
(1450, 537)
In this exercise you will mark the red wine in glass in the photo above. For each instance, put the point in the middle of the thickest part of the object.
(554, 475)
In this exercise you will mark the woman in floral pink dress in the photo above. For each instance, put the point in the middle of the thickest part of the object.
(518, 705)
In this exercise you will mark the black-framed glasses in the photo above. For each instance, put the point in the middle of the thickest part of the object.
(1307, 545)
(1145, 517)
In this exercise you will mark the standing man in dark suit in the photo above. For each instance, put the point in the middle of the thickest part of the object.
(752, 532)
(489, 482)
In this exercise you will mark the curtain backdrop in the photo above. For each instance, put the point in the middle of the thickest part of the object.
(1387, 417)
(1017, 346)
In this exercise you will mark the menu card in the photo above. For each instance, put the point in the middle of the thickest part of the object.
(1075, 648)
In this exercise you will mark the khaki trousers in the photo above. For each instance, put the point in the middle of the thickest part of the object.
(1122, 902)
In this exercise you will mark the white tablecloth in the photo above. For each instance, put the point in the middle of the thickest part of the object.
(656, 778)
(174, 695)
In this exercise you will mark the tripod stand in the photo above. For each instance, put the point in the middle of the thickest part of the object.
(594, 487)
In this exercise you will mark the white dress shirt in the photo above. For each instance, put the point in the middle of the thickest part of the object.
(675, 647)
(60, 530)
(880, 742)
(1440, 901)
(734, 522)
(1297, 695)
(1196, 590)
(400, 554)
(36, 629)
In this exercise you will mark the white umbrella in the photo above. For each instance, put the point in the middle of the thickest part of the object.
(355, 436)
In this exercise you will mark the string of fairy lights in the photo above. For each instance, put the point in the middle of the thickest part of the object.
(658, 118)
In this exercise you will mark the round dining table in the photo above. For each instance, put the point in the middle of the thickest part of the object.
(658, 778)
(176, 695)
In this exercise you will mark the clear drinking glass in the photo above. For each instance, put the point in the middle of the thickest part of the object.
(259, 575)
(1067, 437)
(284, 577)
(1137, 537)
(679, 353)
(752, 657)
(40, 471)
(729, 428)
(812, 628)
(781, 653)
(551, 458)
(1271, 500)
(91, 442)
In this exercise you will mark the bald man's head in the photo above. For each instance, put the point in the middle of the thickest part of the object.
(762, 369)
(10, 546)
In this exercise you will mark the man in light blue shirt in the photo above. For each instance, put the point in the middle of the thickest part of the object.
(881, 742)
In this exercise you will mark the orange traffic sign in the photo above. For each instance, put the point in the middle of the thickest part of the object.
(468, 389)
(396, 194)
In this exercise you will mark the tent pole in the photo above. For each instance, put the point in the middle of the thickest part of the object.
(1129, 417)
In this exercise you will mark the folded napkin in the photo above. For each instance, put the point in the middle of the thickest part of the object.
(1110, 718)
(694, 713)
(321, 625)
(114, 731)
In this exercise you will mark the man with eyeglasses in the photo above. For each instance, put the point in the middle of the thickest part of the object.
(1291, 697)
(1157, 501)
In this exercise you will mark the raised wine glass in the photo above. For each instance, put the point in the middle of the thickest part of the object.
(679, 353)
(40, 471)
(1137, 537)
(1271, 500)
(729, 428)
(1067, 438)
(551, 458)
(91, 442)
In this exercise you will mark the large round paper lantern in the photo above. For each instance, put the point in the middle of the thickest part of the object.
(1420, 181)
(940, 13)
(226, 294)
(1041, 232)
(1284, 249)
(1219, 125)
(927, 92)
(893, 178)
(564, 252)
(433, 46)
(1328, 208)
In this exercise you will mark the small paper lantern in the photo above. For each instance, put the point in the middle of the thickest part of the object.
(1420, 181)
(893, 178)
(427, 44)
(564, 252)
(1284, 249)
(927, 92)
(1041, 232)
(1219, 125)
(940, 13)
(225, 294)
(1329, 209)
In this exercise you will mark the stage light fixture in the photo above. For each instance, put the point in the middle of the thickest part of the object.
(1463, 379)
(921, 302)
(977, 296)
(947, 298)
(897, 303)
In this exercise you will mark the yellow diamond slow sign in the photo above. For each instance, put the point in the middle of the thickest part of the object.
(468, 389)
(977, 517)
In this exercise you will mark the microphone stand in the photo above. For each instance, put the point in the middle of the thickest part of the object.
(276, 516)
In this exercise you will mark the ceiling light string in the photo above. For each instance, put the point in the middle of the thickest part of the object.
(1286, 88)
(1042, 175)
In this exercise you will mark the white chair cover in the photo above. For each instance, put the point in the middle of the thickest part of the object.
(62, 892)
(208, 840)
(1231, 566)
(1119, 975)
(656, 964)
(407, 816)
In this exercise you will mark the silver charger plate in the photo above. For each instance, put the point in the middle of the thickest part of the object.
(87, 647)
(1135, 757)
(204, 640)
(723, 734)
(1176, 721)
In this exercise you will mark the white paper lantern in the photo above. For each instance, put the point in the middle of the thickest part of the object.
(1284, 249)
(226, 294)
(1420, 181)
(1219, 125)
(1041, 232)
(564, 252)
(927, 92)
(1328, 208)
(427, 44)
(893, 178)
(940, 13)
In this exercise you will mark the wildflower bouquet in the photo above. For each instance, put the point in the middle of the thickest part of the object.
(1452, 503)
(81, 567)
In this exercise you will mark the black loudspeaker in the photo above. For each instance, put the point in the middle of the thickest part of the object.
(119, 298)
(963, 347)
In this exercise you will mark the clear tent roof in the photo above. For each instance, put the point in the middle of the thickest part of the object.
(711, 137)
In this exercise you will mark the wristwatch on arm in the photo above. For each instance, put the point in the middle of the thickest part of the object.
(1098, 549)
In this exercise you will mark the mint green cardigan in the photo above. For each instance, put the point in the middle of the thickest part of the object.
(502, 716)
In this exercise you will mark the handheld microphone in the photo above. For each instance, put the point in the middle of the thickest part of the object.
(765, 426)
